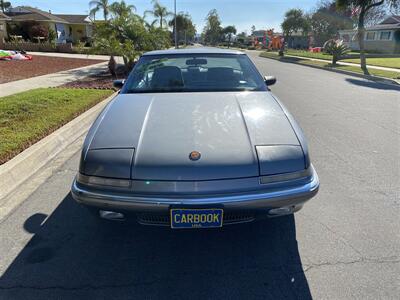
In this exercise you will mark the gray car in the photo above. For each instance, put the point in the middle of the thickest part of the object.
(195, 139)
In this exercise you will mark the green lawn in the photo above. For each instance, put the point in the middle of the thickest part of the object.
(380, 73)
(308, 54)
(27, 117)
(390, 62)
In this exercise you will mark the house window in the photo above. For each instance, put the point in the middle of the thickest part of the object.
(370, 36)
(386, 35)
(1, 27)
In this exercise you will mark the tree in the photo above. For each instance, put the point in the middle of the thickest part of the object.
(253, 28)
(378, 13)
(93, 12)
(212, 31)
(4, 5)
(327, 20)
(360, 8)
(229, 31)
(121, 9)
(294, 21)
(241, 37)
(97, 5)
(185, 27)
(159, 12)
(127, 34)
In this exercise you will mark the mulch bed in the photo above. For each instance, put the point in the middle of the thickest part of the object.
(40, 65)
(102, 80)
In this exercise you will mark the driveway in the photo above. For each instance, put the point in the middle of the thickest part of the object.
(344, 244)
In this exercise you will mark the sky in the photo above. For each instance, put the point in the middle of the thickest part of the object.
(264, 14)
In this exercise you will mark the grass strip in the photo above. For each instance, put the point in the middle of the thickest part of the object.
(388, 62)
(27, 117)
(327, 66)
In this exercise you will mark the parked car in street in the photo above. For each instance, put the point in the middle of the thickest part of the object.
(195, 139)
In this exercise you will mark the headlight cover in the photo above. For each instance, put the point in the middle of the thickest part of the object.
(286, 176)
(107, 163)
(280, 159)
(102, 181)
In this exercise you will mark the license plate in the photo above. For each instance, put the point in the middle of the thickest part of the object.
(196, 218)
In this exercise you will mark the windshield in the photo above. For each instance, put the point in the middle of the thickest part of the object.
(194, 73)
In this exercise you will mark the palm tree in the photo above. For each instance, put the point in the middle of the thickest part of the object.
(100, 5)
(4, 5)
(93, 13)
(160, 12)
(337, 49)
(121, 9)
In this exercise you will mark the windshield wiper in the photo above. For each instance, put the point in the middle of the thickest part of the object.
(169, 90)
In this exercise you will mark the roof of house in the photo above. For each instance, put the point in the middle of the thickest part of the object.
(3, 16)
(392, 22)
(27, 13)
(74, 19)
(384, 26)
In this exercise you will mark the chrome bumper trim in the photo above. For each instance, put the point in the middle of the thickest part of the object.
(294, 195)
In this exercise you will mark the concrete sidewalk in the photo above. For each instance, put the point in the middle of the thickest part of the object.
(118, 59)
(50, 80)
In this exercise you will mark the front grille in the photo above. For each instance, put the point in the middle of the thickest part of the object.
(232, 218)
(150, 219)
(164, 220)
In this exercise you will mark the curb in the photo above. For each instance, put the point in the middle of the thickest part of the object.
(378, 79)
(17, 170)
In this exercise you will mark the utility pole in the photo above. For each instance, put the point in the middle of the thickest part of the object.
(176, 32)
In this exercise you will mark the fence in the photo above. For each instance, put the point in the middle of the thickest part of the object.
(37, 47)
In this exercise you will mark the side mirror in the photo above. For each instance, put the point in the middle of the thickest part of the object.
(119, 83)
(269, 80)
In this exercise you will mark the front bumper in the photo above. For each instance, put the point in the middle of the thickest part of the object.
(260, 201)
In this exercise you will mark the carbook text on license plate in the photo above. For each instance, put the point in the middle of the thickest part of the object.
(196, 218)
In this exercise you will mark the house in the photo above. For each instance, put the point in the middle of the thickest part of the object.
(298, 40)
(69, 28)
(3, 27)
(381, 38)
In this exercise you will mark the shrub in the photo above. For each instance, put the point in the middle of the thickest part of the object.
(337, 49)
(52, 36)
(38, 30)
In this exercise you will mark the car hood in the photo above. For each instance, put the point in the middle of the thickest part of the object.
(163, 129)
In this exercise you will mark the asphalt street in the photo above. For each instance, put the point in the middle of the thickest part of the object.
(344, 244)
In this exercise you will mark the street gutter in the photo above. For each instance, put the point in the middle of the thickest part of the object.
(14, 174)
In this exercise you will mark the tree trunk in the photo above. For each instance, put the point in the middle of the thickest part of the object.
(361, 42)
(161, 19)
(112, 66)
(334, 60)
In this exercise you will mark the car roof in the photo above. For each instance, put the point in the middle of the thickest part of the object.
(199, 50)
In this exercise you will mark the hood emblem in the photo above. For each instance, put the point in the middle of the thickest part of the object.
(194, 155)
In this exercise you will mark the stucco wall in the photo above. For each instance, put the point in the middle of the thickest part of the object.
(381, 46)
